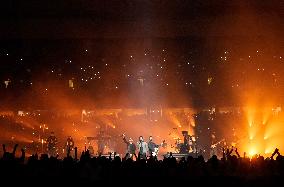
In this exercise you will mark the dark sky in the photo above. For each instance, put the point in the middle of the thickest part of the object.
(137, 18)
(48, 33)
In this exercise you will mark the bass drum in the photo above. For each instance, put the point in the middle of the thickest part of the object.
(184, 149)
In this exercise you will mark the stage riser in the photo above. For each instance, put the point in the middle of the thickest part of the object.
(179, 155)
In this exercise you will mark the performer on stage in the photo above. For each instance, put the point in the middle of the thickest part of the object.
(51, 145)
(90, 148)
(143, 148)
(101, 138)
(101, 146)
(192, 144)
(131, 148)
(69, 144)
(151, 145)
(215, 146)
(185, 146)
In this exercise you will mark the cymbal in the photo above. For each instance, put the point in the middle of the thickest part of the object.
(177, 139)
(98, 137)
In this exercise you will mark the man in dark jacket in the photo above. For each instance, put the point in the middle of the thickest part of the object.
(131, 148)
(152, 146)
(51, 145)
(69, 146)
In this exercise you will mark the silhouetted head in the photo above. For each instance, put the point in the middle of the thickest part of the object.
(150, 138)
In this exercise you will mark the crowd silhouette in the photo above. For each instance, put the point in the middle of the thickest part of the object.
(231, 169)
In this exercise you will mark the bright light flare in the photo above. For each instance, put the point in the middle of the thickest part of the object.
(265, 137)
(252, 152)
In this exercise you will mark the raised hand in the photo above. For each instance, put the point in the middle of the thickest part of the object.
(4, 148)
(15, 148)
(276, 151)
(236, 150)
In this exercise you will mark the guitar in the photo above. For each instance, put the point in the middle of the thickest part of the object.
(214, 145)
(156, 149)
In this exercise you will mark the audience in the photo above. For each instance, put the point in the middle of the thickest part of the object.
(110, 170)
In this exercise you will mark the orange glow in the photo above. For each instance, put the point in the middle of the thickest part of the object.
(264, 128)
(252, 152)
(268, 151)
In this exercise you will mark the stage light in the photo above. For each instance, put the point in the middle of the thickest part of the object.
(252, 152)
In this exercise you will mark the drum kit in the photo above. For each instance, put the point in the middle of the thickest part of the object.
(103, 141)
(188, 145)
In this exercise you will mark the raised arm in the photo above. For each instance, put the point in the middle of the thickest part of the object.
(124, 139)
(15, 148)
(76, 155)
(276, 151)
(23, 154)
(224, 153)
(4, 148)
(232, 149)
(236, 150)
